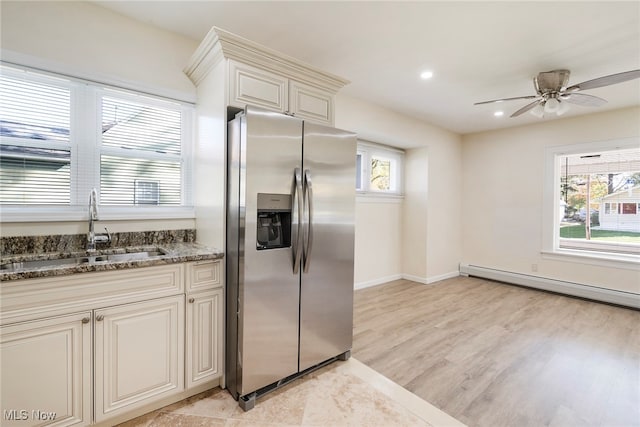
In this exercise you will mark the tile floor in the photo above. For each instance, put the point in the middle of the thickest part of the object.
(341, 394)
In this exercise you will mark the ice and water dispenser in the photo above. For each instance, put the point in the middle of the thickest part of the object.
(274, 221)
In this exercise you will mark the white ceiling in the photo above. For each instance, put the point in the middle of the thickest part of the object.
(477, 50)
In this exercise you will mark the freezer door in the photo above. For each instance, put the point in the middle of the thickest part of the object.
(326, 290)
(269, 283)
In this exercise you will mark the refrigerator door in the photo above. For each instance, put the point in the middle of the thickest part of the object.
(268, 282)
(326, 290)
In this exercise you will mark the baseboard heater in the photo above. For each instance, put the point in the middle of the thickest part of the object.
(569, 288)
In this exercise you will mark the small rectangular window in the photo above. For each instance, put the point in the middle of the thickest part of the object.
(378, 169)
(628, 208)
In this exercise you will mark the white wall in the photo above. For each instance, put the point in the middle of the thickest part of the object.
(378, 245)
(502, 189)
(430, 245)
(88, 41)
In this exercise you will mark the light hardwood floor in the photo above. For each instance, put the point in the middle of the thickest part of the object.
(491, 354)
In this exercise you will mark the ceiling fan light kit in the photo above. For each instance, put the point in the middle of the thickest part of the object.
(553, 93)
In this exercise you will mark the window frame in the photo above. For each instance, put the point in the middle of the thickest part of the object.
(367, 151)
(85, 125)
(551, 204)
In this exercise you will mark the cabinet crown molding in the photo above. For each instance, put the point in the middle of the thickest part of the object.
(219, 44)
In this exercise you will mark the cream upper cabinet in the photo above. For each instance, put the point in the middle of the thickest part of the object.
(249, 73)
(138, 354)
(46, 372)
(310, 103)
(254, 86)
(251, 85)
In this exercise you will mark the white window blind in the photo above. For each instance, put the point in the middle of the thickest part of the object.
(35, 149)
(140, 143)
(61, 137)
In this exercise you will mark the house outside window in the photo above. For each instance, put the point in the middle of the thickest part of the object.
(599, 184)
(61, 137)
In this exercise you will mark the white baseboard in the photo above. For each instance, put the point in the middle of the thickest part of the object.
(440, 277)
(432, 279)
(375, 282)
(418, 279)
(413, 278)
(575, 289)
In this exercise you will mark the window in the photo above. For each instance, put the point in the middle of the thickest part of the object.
(140, 149)
(378, 169)
(35, 154)
(596, 189)
(62, 137)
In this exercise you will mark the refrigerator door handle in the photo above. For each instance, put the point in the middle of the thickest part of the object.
(297, 193)
(309, 208)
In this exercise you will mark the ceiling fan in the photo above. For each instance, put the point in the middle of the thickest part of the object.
(553, 92)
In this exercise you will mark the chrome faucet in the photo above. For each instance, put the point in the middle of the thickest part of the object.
(92, 238)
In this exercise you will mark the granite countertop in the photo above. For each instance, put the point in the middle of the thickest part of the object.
(161, 254)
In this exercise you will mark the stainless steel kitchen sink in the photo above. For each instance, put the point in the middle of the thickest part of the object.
(101, 258)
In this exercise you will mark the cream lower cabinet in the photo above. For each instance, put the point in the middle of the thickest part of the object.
(139, 354)
(46, 371)
(204, 337)
(97, 347)
(204, 348)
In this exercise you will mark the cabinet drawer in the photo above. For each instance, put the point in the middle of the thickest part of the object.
(310, 103)
(249, 85)
(203, 275)
(29, 299)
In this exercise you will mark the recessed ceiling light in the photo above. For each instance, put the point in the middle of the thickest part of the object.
(425, 75)
(499, 113)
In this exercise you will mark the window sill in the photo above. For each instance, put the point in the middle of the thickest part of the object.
(627, 262)
(370, 197)
(68, 214)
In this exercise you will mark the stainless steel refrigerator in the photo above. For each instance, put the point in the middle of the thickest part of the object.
(290, 244)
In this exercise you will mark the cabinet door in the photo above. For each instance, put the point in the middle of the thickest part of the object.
(204, 337)
(249, 85)
(307, 102)
(139, 355)
(46, 372)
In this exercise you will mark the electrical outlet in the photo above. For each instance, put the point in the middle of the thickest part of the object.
(534, 267)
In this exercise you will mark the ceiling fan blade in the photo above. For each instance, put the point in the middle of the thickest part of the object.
(526, 108)
(583, 99)
(506, 99)
(605, 81)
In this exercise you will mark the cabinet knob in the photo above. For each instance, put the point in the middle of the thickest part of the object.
(192, 300)
(86, 320)
(99, 317)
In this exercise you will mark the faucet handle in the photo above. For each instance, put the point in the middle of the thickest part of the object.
(108, 235)
(101, 238)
